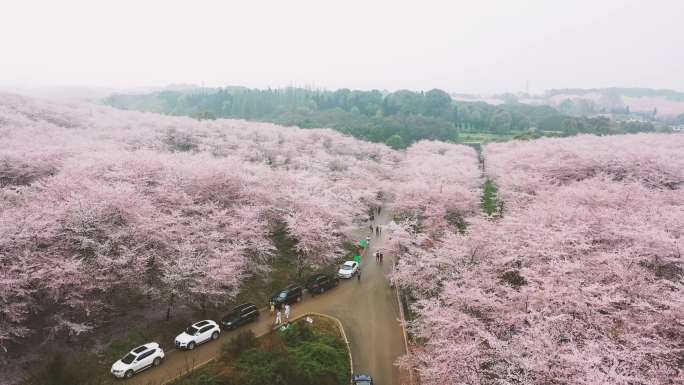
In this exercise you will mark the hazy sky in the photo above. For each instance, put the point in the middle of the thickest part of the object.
(461, 46)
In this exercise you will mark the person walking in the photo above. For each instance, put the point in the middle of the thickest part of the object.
(278, 320)
(377, 231)
(358, 275)
(367, 241)
(381, 256)
(371, 227)
(287, 312)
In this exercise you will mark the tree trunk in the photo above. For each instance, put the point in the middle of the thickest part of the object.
(168, 309)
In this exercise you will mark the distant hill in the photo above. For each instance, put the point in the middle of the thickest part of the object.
(629, 92)
(662, 104)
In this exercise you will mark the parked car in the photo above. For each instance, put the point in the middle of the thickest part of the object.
(362, 379)
(240, 315)
(198, 333)
(319, 283)
(289, 295)
(137, 360)
(348, 269)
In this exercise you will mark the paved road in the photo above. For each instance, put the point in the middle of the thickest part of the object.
(368, 311)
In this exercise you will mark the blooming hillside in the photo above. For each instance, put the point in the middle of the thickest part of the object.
(524, 169)
(580, 280)
(437, 183)
(98, 203)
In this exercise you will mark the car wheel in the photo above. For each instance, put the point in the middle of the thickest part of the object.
(156, 361)
(191, 345)
(129, 374)
(214, 335)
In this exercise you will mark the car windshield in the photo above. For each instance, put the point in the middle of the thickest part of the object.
(128, 359)
(346, 267)
(362, 383)
(283, 294)
(191, 330)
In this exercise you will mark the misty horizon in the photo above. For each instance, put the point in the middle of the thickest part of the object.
(488, 48)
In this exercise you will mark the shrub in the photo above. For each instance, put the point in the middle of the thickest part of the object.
(513, 278)
(259, 366)
(179, 141)
(243, 341)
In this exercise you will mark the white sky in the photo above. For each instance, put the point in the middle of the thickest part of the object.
(478, 46)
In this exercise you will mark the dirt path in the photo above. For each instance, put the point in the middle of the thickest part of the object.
(368, 310)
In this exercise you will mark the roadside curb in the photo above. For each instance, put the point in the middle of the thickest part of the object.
(402, 323)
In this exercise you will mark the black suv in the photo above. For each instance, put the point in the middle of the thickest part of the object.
(319, 283)
(289, 295)
(240, 315)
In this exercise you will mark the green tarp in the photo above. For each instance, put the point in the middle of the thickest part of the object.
(357, 259)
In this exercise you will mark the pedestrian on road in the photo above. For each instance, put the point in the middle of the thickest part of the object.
(367, 241)
(278, 320)
(371, 227)
(382, 255)
(377, 230)
(287, 312)
(372, 217)
(358, 275)
(272, 307)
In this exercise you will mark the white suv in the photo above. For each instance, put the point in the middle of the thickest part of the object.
(197, 333)
(138, 360)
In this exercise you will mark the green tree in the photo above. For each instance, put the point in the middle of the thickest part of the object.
(490, 203)
(680, 119)
(396, 142)
(437, 103)
(501, 122)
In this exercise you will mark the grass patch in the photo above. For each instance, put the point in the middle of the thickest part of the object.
(484, 137)
(210, 374)
(475, 137)
(68, 369)
(303, 354)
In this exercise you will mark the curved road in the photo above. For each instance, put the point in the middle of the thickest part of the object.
(367, 309)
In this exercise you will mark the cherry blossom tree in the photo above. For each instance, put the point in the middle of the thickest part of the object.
(580, 282)
(97, 203)
(434, 182)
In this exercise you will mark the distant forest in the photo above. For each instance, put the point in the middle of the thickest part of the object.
(395, 118)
